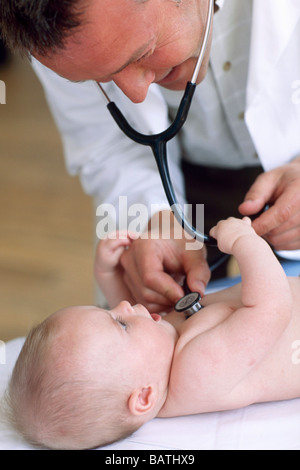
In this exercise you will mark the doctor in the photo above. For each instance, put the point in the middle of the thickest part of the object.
(246, 115)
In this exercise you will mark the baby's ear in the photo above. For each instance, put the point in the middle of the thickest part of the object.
(142, 400)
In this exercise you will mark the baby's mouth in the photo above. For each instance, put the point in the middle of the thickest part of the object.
(155, 316)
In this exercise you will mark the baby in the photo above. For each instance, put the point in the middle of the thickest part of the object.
(87, 376)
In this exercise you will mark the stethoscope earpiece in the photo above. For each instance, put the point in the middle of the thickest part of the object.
(189, 304)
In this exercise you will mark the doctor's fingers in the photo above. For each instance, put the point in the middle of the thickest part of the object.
(270, 186)
(197, 271)
(145, 277)
(152, 299)
(286, 236)
(283, 212)
(260, 193)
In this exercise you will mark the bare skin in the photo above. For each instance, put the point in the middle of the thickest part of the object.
(238, 349)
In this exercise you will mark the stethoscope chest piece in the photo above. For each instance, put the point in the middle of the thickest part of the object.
(189, 304)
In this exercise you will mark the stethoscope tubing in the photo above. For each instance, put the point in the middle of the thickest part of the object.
(158, 145)
(158, 142)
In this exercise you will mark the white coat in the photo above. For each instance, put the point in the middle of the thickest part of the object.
(273, 91)
(110, 165)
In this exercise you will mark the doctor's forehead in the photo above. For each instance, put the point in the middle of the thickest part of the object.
(107, 35)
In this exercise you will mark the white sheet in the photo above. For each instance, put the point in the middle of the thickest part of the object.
(267, 426)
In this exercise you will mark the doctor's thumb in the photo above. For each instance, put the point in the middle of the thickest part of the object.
(259, 195)
(197, 277)
(251, 207)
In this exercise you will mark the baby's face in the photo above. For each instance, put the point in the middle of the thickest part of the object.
(131, 334)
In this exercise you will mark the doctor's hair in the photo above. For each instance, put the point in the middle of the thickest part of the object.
(39, 26)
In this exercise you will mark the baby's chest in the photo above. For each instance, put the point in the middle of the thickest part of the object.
(209, 317)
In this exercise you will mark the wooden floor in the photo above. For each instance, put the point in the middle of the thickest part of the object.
(46, 234)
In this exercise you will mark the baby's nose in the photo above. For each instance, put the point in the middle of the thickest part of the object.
(126, 307)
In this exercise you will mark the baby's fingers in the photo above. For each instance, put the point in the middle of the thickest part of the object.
(122, 235)
(214, 232)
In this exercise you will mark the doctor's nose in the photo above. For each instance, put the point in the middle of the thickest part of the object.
(134, 81)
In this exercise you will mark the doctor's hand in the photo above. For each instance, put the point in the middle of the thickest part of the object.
(152, 268)
(280, 188)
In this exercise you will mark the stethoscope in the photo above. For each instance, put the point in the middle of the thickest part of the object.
(190, 303)
(158, 142)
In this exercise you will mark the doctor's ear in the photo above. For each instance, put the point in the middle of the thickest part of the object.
(142, 400)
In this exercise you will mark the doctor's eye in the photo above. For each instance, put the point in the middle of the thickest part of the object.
(145, 56)
(123, 323)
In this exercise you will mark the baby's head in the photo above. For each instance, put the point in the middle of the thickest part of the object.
(87, 376)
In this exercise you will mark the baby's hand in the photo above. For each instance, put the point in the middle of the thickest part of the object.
(110, 249)
(226, 232)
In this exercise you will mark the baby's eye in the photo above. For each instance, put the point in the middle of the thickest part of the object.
(123, 323)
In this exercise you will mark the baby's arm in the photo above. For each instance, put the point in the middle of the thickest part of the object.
(107, 269)
(263, 279)
(226, 353)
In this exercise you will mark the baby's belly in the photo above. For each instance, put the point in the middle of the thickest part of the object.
(277, 377)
